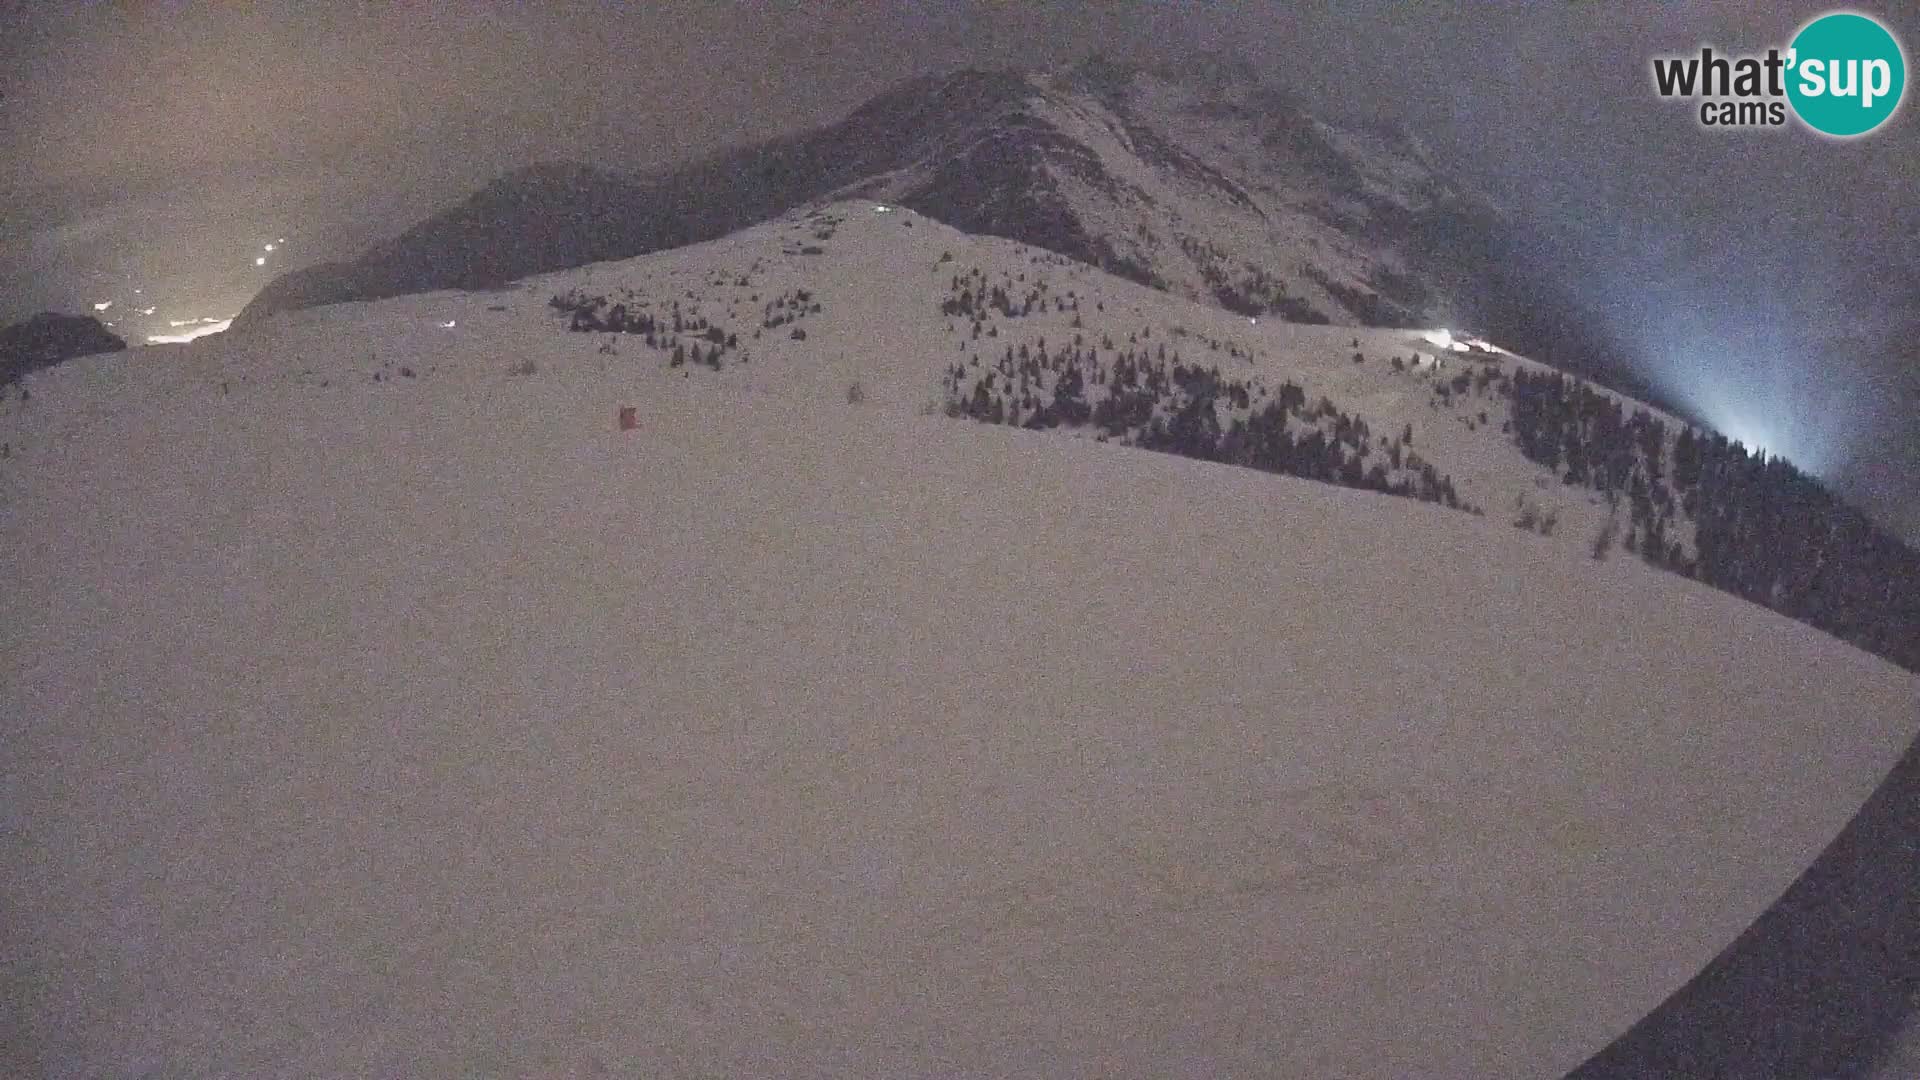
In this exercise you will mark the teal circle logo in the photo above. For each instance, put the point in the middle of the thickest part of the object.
(1846, 74)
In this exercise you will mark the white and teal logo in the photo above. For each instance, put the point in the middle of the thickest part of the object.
(1850, 74)
(1844, 74)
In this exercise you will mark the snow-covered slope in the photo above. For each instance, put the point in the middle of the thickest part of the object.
(880, 285)
(373, 704)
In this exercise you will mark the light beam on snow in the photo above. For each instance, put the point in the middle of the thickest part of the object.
(203, 329)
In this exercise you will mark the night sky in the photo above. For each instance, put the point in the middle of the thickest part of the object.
(1770, 279)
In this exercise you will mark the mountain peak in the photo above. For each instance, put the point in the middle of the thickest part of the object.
(1195, 177)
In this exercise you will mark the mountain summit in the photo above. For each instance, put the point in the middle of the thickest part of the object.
(1201, 181)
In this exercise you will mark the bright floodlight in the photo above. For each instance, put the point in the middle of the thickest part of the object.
(260, 260)
(1754, 437)
(269, 247)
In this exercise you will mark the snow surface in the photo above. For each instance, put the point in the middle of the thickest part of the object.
(434, 726)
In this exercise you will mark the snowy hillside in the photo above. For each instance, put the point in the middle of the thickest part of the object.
(374, 704)
(976, 326)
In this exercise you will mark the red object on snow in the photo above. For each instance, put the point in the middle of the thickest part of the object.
(627, 420)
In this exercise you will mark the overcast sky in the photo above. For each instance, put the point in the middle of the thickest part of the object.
(1770, 276)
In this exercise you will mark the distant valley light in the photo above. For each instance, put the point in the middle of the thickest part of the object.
(1443, 339)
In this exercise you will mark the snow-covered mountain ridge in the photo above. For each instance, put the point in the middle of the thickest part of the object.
(926, 316)
(1201, 181)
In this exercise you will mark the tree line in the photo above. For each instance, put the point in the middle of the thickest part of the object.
(1763, 529)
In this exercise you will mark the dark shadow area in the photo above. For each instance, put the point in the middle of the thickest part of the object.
(1819, 985)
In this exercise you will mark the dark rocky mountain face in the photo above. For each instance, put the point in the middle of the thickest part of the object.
(1198, 181)
(47, 339)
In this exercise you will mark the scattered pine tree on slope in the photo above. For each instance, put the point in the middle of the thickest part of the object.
(1764, 530)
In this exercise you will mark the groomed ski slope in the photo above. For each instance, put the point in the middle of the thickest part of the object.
(434, 726)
